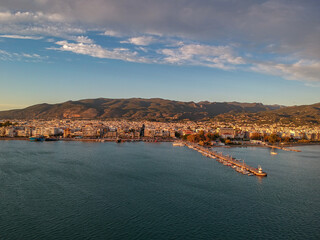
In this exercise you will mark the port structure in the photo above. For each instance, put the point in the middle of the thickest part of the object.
(227, 159)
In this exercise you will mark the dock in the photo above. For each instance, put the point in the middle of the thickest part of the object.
(239, 165)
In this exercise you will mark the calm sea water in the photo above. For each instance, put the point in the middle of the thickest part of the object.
(75, 190)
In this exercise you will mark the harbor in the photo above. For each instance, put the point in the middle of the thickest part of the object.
(237, 164)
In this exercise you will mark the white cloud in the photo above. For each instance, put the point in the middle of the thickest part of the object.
(303, 70)
(141, 41)
(202, 55)
(21, 37)
(36, 23)
(221, 57)
(53, 30)
(193, 54)
(24, 17)
(97, 51)
(4, 54)
(143, 49)
(83, 39)
(112, 33)
(26, 57)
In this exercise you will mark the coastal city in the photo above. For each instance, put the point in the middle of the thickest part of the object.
(205, 133)
(172, 119)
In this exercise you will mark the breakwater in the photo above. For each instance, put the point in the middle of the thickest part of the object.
(227, 160)
(284, 148)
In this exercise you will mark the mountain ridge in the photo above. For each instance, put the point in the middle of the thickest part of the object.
(134, 109)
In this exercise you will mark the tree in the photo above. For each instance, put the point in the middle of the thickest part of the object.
(6, 124)
(191, 138)
(286, 139)
(209, 137)
(185, 137)
(201, 135)
(177, 134)
(255, 136)
(273, 138)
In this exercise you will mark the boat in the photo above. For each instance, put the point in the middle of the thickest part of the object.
(51, 139)
(36, 139)
(245, 172)
(272, 152)
(260, 172)
(177, 144)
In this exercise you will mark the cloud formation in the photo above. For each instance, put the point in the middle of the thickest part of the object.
(203, 55)
(26, 57)
(281, 22)
(97, 51)
(212, 33)
(36, 23)
(221, 57)
(309, 71)
(21, 37)
(141, 41)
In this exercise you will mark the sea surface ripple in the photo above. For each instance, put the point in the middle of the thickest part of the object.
(78, 190)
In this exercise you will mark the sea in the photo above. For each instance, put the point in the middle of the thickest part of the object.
(82, 190)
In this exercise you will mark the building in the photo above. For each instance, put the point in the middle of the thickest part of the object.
(227, 133)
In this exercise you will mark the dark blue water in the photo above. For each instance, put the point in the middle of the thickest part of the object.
(75, 190)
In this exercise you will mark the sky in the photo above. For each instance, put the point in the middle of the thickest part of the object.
(264, 51)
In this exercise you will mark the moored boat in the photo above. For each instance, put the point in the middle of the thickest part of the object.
(36, 139)
(177, 144)
(272, 152)
(260, 172)
(51, 139)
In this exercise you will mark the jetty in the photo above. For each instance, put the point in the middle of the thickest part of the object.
(227, 160)
(283, 148)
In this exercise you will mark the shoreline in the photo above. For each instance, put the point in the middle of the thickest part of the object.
(161, 140)
(264, 146)
(89, 140)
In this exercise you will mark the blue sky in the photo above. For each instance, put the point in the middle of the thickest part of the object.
(246, 51)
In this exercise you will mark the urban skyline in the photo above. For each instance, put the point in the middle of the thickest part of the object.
(218, 51)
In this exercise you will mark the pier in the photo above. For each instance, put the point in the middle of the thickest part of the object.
(228, 160)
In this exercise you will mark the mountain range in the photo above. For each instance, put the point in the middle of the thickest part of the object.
(155, 109)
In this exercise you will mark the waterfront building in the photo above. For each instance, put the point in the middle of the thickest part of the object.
(67, 133)
(227, 133)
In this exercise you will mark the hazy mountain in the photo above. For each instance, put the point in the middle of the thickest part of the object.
(134, 108)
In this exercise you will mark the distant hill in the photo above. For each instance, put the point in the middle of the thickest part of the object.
(296, 115)
(134, 109)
